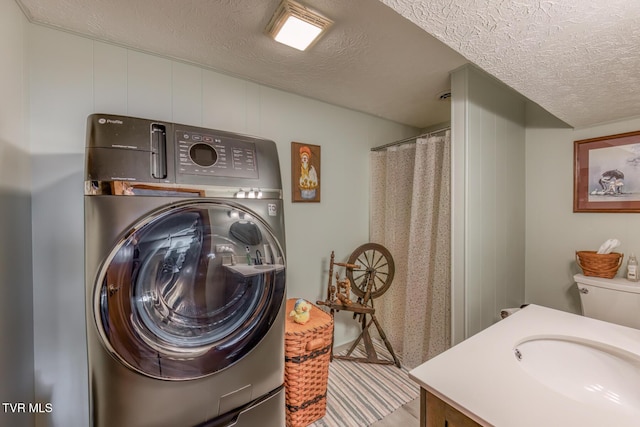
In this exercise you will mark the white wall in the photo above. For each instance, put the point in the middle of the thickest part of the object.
(16, 310)
(554, 231)
(488, 200)
(72, 77)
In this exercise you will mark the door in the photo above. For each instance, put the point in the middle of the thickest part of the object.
(189, 290)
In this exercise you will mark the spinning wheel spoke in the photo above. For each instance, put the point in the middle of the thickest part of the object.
(359, 276)
(381, 266)
(366, 257)
(381, 259)
(376, 280)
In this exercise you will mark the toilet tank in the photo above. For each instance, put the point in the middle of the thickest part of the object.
(614, 300)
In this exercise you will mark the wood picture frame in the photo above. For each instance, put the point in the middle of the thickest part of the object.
(607, 173)
(305, 172)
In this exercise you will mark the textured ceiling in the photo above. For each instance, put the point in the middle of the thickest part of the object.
(371, 60)
(578, 59)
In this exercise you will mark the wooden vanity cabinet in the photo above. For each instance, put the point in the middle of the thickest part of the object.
(436, 413)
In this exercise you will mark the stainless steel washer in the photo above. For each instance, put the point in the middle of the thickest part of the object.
(185, 276)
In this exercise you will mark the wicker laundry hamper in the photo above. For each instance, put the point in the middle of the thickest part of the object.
(599, 265)
(307, 352)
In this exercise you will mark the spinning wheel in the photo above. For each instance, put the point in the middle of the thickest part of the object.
(369, 273)
(375, 274)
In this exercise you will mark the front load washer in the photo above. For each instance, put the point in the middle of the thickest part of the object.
(185, 276)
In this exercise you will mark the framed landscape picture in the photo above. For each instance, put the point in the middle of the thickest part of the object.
(607, 174)
(305, 172)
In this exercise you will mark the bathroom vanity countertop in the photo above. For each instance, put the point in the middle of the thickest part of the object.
(481, 377)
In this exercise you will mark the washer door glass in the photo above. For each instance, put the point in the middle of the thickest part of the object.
(190, 290)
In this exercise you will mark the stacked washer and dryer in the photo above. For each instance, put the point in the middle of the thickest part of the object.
(185, 276)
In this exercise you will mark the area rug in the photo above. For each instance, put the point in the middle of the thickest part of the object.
(359, 394)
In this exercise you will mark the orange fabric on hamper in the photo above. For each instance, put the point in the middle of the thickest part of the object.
(307, 353)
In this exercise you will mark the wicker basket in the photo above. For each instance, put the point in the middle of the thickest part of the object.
(599, 265)
(307, 353)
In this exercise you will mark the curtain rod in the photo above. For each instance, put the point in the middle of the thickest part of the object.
(413, 138)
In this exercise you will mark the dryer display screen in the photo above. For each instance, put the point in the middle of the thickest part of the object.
(215, 155)
(203, 155)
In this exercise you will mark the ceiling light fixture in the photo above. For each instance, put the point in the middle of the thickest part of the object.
(295, 25)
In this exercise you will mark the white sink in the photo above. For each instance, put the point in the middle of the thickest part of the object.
(587, 371)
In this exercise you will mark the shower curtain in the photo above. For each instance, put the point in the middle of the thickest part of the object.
(410, 216)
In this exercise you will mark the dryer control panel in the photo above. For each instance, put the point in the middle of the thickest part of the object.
(209, 154)
(142, 151)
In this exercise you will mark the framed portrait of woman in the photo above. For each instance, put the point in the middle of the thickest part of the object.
(305, 172)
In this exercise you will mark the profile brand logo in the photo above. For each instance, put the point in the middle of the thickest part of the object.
(103, 121)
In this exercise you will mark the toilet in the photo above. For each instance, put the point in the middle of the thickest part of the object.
(614, 300)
